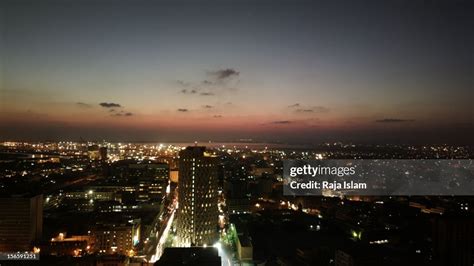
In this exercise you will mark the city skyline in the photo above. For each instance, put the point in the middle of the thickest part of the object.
(164, 204)
(303, 73)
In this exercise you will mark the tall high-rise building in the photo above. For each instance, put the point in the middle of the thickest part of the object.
(21, 222)
(197, 197)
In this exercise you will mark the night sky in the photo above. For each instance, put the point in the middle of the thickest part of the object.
(291, 71)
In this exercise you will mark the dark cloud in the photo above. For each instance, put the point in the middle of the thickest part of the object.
(305, 110)
(112, 110)
(186, 91)
(208, 87)
(83, 105)
(298, 108)
(121, 113)
(109, 105)
(217, 116)
(182, 83)
(315, 109)
(394, 120)
(183, 110)
(281, 122)
(208, 106)
(223, 74)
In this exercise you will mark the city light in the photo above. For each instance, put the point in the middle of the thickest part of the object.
(218, 246)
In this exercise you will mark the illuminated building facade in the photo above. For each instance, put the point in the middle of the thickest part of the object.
(93, 152)
(197, 198)
(119, 238)
(152, 180)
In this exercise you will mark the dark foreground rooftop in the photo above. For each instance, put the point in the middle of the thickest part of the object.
(196, 256)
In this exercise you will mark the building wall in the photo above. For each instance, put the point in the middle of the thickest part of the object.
(115, 238)
(21, 222)
(197, 196)
(453, 240)
(245, 249)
